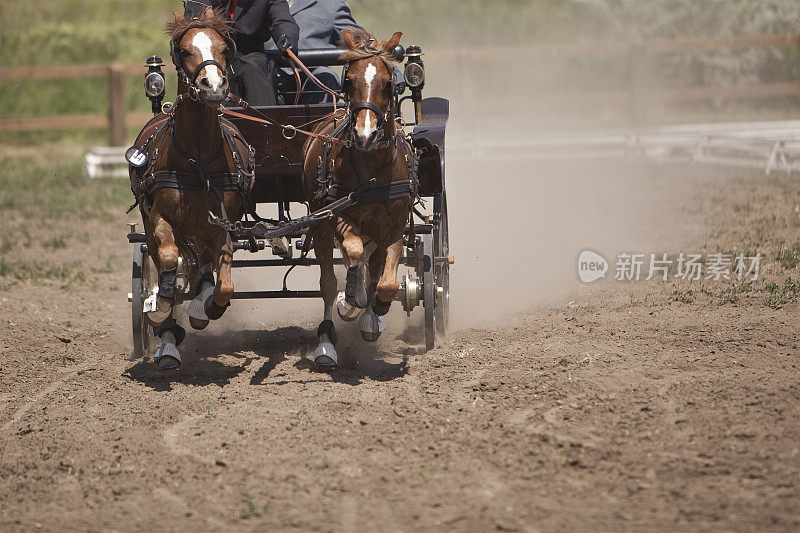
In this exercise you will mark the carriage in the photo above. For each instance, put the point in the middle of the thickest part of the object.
(278, 166)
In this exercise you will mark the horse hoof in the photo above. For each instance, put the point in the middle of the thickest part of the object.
(371, 326)
(167, 362)
(325, 358)
(197, 307)
(198, 323)
(214, 311)
(346, 312)
(155, 318)
(167, 356)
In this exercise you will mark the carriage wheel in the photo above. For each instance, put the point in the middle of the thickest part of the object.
(429, 291)
(442, 240)
(141, 287)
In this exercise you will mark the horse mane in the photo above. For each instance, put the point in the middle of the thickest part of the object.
(365, 40)
(211, 19)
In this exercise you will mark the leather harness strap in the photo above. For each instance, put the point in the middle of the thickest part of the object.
(283, 127)
(373, 193)
(174, 179)
(203, 65)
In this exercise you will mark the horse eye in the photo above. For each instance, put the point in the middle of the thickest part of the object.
(183, 52)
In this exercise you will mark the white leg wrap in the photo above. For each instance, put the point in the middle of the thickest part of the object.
(167, 348)
(347, 312)
(371, 325)
(325, 354)
(197, 307)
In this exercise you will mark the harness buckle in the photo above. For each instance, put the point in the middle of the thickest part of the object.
(290, 128)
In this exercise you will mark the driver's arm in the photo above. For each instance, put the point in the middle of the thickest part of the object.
(283, 23)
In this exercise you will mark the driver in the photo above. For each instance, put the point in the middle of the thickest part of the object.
(255, 22)
(321, 23)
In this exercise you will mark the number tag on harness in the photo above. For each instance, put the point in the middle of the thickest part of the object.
(135, 157)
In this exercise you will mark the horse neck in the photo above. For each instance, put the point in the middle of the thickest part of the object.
(197, 128)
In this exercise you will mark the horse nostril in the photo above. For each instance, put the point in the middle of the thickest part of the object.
(204, 82)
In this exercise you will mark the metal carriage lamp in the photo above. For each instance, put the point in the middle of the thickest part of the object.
(155, 85)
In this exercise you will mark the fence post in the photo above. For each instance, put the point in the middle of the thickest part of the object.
(116, 104)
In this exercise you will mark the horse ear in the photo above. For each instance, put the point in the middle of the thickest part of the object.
(392, 43)
(349, 40)
(178, 18)
(208, 13)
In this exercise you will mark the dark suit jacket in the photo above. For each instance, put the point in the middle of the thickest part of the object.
(255, 21)
(321, 22)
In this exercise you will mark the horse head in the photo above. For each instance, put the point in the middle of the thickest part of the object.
(369, 85)
(201, 49)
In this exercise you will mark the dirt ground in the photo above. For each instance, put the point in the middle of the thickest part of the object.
(552, 406)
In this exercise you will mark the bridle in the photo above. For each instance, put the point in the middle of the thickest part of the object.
(174, 53)
(355, 107)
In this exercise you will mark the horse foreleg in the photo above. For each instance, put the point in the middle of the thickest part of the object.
(325, 356)
(219, 301)
(203, 291)
(370, 324)
(355, 291)
(385, 263)
(167, 259)
(388, 285)
(167, 356)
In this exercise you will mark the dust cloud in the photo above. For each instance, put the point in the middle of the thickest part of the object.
(518, 228)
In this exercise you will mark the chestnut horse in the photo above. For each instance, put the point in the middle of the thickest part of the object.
(198, 168)
(376, 164)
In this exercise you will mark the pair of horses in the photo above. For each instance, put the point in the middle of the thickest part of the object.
(199, 169)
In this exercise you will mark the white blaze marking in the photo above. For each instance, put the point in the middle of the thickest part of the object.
(203, 43)
(369, 76)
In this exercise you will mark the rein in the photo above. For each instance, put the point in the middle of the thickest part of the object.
(298, 63)
(287, 130)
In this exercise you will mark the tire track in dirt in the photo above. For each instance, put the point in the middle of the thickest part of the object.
(171, 434)
(54, 386)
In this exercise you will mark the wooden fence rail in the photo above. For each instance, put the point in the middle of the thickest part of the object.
(116, 73)
(115, 119)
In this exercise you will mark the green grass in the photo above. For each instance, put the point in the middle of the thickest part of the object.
(254, 510)
(38, 271)
(780, 295)
(55, 243)
(789, 257)
(49, 207)
(59, 193)
(774, 295)
(319, 464)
